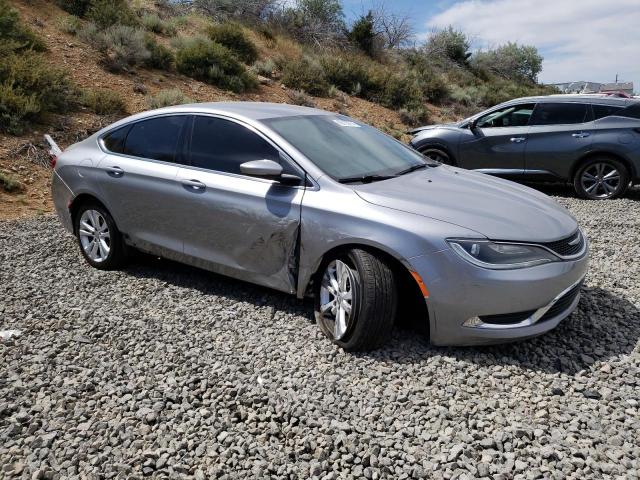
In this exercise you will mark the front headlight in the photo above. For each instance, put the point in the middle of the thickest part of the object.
(500, 256)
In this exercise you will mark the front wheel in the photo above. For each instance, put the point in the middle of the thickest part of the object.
(601, 178)
(356, 300)
(437, 154)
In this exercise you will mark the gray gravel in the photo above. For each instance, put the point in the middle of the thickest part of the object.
(166, 371)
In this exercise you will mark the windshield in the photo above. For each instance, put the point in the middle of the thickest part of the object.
(346, 149)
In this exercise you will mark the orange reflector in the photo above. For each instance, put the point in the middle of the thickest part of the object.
(423, 287)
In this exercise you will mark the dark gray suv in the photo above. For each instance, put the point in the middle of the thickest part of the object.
(591, 141)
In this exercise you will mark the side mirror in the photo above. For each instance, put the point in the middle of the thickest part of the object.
(262, 168)
(473, 124)
(269, 169)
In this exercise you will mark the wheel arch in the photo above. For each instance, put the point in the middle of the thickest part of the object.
(429, 143)
(80, 200)
(603, 153)
(407, 285)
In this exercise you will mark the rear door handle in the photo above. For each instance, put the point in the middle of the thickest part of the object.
(580, 135)
(195, 185)
(114, 171)
(517, 139)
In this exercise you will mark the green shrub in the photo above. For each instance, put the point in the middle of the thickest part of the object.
(350, 73)
(29, 87)
(15, 35)
(414, 117)
(122, 47)
(70, 24)
(103, 102)
(305, 74)
(298, 97)
(107, 13)
(9, 184)
(266, 68)
(401, 90)
(160, 57)
(167, 98)
(155, 24)
(232, 36)
(75, 7)
(213, 63)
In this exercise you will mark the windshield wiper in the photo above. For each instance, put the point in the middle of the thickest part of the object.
(412, 169)
(365, 178)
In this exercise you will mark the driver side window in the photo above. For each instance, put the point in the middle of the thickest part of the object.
(512, 116)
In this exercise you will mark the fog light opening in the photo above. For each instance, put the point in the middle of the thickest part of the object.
(472, 322)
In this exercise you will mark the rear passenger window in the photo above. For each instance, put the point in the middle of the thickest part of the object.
(601, 111)
(114, 141)
(221, 145)
(156, 138)
(559, 114)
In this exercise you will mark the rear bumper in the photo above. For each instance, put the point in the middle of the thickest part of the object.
(62, 197)
(459, 291)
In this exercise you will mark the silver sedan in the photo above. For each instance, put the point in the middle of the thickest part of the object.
(314, 203)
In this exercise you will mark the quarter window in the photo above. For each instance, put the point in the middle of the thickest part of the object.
(114, 141)
(512, 116)
(156, 138)
(222, 145)
(632, 111)
(559, 114)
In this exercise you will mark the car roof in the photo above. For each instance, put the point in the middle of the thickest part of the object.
(249, 110)
(593, 99)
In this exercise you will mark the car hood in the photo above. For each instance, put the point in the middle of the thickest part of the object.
(495, 208)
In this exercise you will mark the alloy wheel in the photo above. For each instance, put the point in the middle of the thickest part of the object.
(436, 155)
(600, 180)
(337, 297)
(94, 235)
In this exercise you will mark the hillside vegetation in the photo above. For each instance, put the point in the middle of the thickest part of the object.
(72, 66)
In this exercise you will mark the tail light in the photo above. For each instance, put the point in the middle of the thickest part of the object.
(53, 160)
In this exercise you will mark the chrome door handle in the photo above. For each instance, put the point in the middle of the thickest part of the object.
(194, 185)
(580, 135)
(114, 171)
(517, 139)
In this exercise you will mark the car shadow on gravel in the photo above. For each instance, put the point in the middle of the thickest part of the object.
(604, 325)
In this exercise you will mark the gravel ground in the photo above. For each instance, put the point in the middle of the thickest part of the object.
(164, 370)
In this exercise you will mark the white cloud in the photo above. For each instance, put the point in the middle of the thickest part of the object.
(580, 39)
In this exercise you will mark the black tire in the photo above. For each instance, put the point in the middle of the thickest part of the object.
(438, 154)
(601, 188)
(117, 252)
(374, 310)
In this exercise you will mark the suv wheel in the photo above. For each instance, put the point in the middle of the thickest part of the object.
(600, 178)
(100, 240)
(356, 301)
(437, 154)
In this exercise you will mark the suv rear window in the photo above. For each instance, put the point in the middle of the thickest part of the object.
(601, 111)
(559, 114)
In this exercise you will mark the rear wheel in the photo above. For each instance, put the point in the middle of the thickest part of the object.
(601, 178)
(437, 154)
(356, 300)
(100, 240)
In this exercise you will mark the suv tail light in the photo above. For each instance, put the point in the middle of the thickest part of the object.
(53, 160)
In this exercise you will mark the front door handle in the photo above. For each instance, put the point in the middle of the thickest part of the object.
(517, 139)
(195, 185)
(114, 171)
(580, 135)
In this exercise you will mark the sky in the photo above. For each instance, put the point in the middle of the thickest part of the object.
(590, 40)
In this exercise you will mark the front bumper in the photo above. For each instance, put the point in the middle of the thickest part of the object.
(459, 291)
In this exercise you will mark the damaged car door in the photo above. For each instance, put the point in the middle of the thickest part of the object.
(235, 224)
